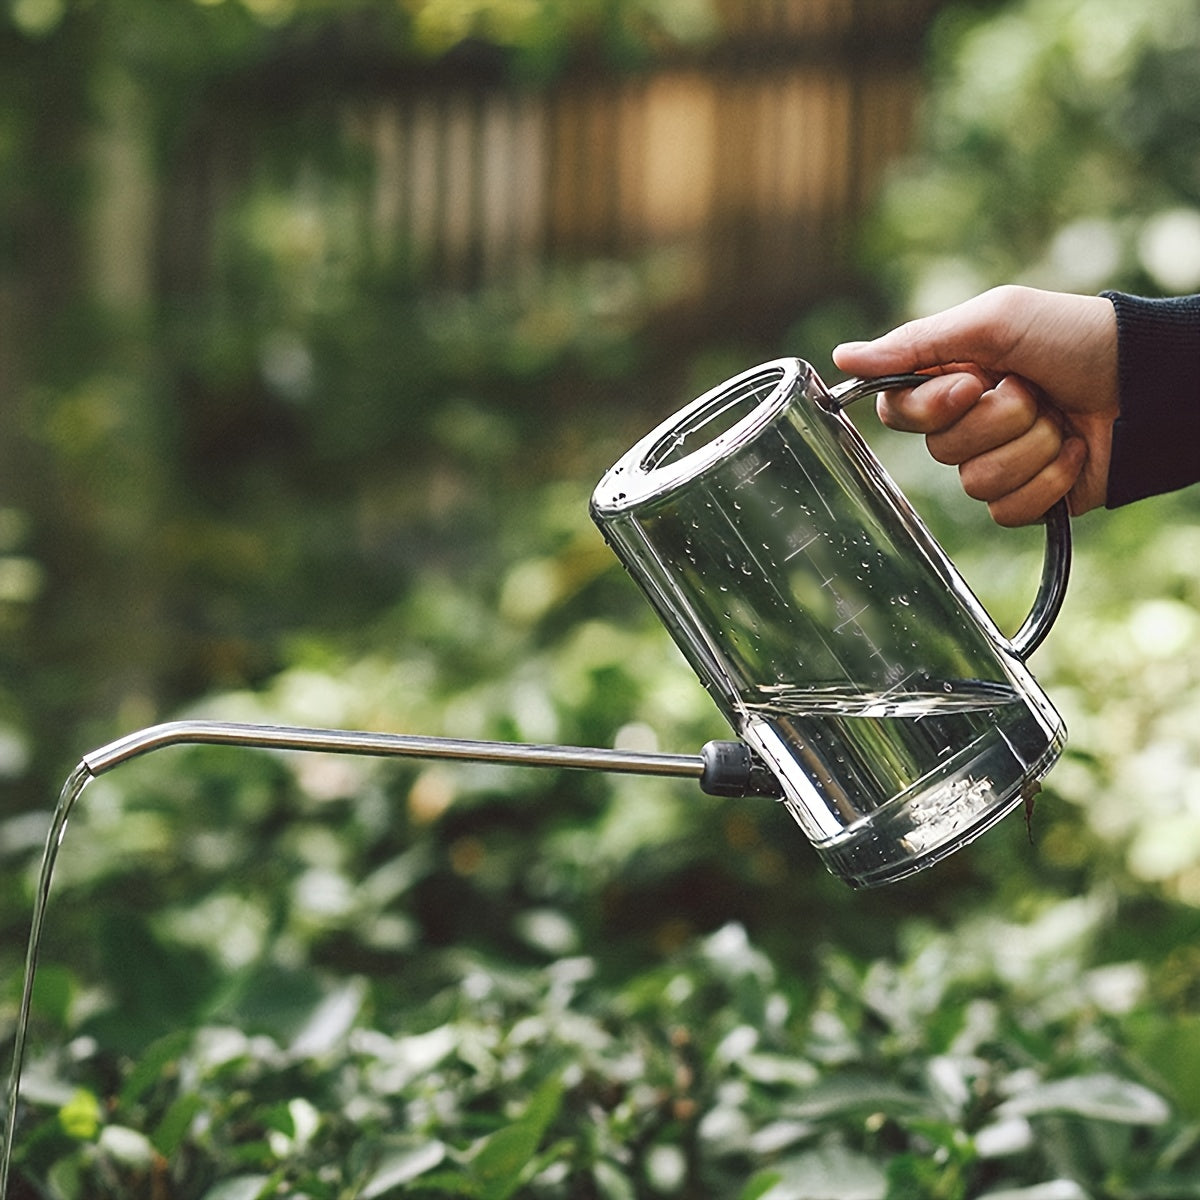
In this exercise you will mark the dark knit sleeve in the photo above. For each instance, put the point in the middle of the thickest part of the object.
(1156, 437)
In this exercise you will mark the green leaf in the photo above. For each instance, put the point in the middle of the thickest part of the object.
(173, 1127)
(80, 1116)
(1055, 1189)
(855, 1093)
(448, 1183)
(276, 1000)
(1100, 1097)
(921, 1177)
(129, 1147)
(330, 1020)
(1170, 1046)
(402, 1165)
(149, 1068)
(501, 1161)
(760, 1185)
(53, 991)
(239, 1187)
(829, 1173)
(159, 986)
(612, 1182)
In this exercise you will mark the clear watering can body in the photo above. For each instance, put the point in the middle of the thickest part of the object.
(828, 625)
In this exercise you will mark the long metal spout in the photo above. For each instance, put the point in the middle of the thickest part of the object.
(387, 745)
(722, 768)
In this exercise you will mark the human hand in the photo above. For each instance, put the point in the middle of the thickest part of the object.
(1022, 395)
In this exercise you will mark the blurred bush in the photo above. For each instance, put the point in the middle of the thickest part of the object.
(1059, 151)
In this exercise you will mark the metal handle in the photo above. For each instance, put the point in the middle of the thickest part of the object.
(1056, 563)
(845, 394)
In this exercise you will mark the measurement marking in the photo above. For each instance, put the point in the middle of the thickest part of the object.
(800, 550)
(752, 475)
(850, 619)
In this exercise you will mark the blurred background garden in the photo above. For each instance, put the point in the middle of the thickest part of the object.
(319, 320)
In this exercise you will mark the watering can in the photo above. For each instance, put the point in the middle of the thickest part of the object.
(828, 625)
(867, 687)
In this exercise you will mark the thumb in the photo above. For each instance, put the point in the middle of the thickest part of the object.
(974, 332)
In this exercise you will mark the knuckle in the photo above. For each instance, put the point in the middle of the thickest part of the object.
(996, 309)
(1006, 295)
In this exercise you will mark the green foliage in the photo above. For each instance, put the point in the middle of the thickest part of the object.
(345, 976)
(543, 35)
(271, 974)
(958, 1068)
(1060, 151)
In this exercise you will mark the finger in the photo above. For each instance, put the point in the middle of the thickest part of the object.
(992, 475)
(1031, 501)
(1001, 415)
(932, 406)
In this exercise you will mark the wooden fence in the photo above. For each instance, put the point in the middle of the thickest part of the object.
(741, 166)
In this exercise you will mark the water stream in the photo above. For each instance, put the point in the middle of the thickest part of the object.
(283, 737)
(72, 790)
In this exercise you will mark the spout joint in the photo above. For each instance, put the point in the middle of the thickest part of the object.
(733, 769)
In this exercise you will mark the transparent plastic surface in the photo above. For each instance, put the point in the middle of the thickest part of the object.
(827, 624)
